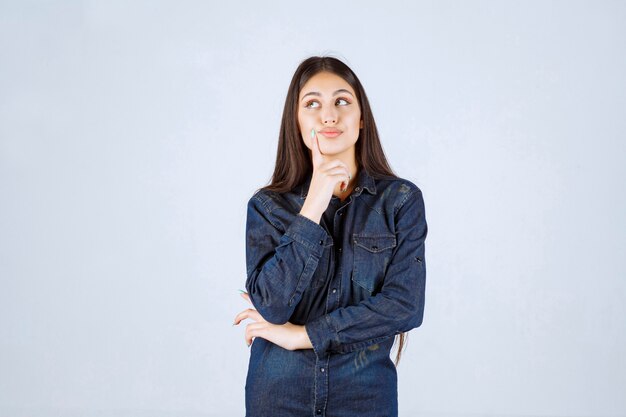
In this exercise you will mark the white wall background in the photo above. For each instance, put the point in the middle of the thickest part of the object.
(133, 133)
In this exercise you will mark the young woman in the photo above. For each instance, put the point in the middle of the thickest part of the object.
(335, 258)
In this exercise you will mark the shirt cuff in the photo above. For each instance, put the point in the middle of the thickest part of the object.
(321, 333)
(308, 233)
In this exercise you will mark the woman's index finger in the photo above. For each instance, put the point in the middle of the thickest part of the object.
(316, 153)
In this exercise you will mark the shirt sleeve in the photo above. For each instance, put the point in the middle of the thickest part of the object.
(280, 261)
(397, 308)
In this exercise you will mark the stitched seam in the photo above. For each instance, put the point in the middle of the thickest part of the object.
(296, 237)
(315, 384)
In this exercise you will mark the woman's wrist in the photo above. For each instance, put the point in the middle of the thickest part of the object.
(306, 341)
(308, 213)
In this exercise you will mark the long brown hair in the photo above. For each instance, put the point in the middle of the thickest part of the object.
(293, 158)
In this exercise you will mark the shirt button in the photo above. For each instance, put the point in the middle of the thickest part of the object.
(357, 189)
(334, 290)
(322, 369)
(319, 411)
(321, 242)
(341, 213)
(339, 249)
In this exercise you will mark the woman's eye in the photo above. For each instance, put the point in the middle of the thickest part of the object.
(314, 103)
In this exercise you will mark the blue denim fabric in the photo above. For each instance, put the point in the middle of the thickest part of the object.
(354, 285)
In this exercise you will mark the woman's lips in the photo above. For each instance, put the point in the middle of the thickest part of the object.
(330, 133)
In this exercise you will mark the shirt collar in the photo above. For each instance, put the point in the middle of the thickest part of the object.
(364, 181)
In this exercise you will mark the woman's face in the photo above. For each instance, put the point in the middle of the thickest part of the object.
(328, 104)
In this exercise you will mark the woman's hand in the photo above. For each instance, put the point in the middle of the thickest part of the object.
(326, 175)
(288, 336)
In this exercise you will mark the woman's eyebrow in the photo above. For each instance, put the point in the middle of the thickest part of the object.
(315, 93)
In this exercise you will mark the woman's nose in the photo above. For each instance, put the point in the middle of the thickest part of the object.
(329, 116)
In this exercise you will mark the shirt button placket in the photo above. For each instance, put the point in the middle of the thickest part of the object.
(339, 259)
(321, 385)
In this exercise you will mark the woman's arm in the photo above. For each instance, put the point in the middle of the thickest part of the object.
(288, 336)
(279, 263)
(397, 308)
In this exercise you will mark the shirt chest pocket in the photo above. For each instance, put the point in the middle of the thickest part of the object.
(372, 254)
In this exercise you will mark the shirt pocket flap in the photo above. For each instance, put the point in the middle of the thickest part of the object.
(375, 244)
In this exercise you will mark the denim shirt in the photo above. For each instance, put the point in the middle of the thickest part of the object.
(354, 284)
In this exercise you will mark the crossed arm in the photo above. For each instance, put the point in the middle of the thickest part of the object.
(288, 336)
(278, 274)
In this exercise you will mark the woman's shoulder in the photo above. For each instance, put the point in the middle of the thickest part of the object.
(399, 194)
(271, 200)
(397, 186)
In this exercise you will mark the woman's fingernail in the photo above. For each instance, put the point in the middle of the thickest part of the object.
(312, 133)
(242, 291)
